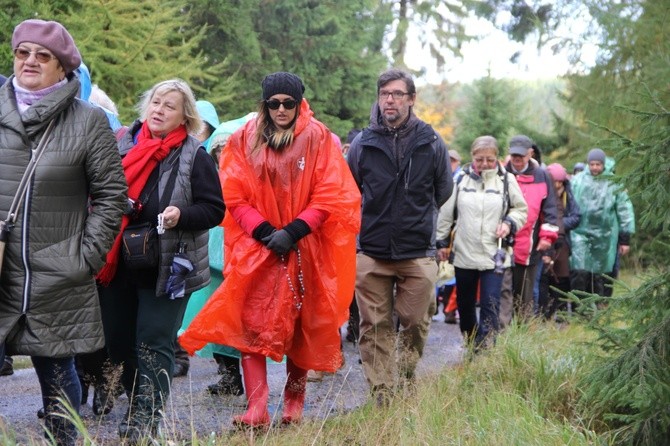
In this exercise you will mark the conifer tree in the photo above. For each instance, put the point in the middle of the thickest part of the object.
(333, 46)
(490, 109)
(129, 46)
(630, 390)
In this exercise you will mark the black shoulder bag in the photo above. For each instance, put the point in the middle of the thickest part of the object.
(140, 248)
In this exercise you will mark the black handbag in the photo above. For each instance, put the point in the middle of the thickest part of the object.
(140, 246)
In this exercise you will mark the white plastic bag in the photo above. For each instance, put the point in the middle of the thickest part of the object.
(445, 273)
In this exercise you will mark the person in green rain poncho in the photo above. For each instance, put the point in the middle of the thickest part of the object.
(607, 223)
(227, 358)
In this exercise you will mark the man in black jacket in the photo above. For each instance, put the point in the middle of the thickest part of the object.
(402, 168)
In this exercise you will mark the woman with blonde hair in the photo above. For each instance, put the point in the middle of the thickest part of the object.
(290, 233)
(174, 188)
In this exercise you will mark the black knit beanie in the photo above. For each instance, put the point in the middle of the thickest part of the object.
(283, 83)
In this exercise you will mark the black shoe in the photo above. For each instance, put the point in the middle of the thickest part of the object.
(41, 413)
(228, 385)
(180, 370)
(7, 367)
(137, 429)
(103, 401)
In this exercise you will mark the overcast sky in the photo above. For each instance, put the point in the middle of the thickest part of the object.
(493, 50)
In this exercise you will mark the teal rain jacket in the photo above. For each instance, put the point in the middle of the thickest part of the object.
(607, 217)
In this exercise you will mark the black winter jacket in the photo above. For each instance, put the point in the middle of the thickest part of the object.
(404, 176)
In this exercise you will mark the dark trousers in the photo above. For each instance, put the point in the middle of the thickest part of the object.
(58, 379)
(489, 303)
(91, 368)
(551, 300)
(588, 282)
(140, 329)
(517, 294)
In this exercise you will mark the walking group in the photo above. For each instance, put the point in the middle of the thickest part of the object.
(120, 257)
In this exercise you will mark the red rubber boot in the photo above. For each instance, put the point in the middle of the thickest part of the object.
(254, 370)
(294, 393)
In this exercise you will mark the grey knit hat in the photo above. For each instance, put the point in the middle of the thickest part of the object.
(52, 36)
(283, 83)
(596, 155)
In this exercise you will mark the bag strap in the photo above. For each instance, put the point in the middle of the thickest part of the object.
(169, 186)
(506, 200)
(28, 174)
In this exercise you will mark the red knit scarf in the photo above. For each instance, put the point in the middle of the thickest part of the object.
(138, 164)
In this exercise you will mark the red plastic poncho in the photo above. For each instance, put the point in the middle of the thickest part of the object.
(254, 309)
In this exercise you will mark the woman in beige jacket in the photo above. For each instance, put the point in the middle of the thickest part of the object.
(486, 206)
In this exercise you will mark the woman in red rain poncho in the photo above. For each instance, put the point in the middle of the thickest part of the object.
(293, 215)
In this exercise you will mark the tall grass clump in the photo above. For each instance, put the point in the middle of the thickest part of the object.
(523, 391)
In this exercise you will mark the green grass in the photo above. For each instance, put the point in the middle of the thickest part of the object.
(521, 392)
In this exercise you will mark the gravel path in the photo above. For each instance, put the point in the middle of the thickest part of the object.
(192, 409)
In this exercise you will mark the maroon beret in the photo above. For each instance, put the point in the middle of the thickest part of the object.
(52, 36)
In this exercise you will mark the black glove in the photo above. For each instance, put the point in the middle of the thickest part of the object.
(279, 241)
(297, 229)
(262, 231)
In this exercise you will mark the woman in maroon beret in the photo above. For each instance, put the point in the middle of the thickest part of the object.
(66, 223)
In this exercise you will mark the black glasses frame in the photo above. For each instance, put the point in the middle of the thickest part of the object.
(383, 95)
(274, 104)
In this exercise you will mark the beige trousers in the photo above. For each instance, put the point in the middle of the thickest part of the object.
(393, 299)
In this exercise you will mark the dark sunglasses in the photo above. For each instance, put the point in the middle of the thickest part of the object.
(289, 104)
(40, 56)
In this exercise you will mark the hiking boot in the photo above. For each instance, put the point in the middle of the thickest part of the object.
(382, 396)
(139, 428)
(180, 370)
(450, 317)
(103, 401)
(7, 367)
(228, 384)
(314, 376)
(136, 434)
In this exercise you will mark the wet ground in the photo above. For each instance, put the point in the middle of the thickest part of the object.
(192, 409)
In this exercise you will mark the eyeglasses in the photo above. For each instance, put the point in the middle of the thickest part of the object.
(289, 104)
(40, 56)
(383, 95)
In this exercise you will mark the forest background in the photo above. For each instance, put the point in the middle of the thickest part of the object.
(223, 48)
